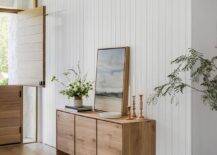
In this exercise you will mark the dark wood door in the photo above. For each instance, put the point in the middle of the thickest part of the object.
(10, 114)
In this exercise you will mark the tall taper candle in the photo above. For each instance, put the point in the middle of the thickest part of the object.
(141, 107)
(134, 107)
(129, 113)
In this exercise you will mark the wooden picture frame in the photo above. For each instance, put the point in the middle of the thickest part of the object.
(103, 96)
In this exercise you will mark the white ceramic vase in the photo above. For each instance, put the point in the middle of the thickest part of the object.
(78, 102)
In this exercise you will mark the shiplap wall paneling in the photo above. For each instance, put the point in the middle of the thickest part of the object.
(156, 31)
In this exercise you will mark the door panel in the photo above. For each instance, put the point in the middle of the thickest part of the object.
(10, 114)
(29, 63)
(10, 139)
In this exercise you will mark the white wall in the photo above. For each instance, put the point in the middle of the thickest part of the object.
(156, 31)
(25, 4)
(7, 3)
(29, 114)
(204, 38)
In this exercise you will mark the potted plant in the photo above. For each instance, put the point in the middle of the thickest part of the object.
(203, 71)
(76, 87)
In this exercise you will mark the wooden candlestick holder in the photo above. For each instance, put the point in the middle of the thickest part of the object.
(141, 107)
(129, 113)
(134, 107)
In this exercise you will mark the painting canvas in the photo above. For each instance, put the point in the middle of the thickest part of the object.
(112, 79)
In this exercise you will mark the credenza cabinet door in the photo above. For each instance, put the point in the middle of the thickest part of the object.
(85, 136)
(65, 132)
(109, 138)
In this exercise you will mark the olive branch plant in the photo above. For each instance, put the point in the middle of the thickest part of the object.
(203, 71)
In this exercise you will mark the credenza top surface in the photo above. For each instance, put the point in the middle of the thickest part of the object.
(95, 115)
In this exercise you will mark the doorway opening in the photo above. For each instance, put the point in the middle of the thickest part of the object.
(29, 98)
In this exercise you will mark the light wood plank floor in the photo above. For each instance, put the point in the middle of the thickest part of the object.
(28, 149)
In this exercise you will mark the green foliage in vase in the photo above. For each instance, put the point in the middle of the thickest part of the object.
(203, 71)
(76, 86)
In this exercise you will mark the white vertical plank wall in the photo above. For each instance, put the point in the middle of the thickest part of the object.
(156, 31)
(204, 35)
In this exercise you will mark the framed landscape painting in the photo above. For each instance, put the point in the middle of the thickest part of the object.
(112, 79)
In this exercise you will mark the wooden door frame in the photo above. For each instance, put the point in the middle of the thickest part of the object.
(16, 10)
(10, 10)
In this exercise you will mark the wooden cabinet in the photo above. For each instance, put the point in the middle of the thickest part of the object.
(109, 138)
(88, 134)
(85, 139)
(65, 132)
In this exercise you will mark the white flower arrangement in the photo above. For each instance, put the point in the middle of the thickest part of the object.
(77, 86)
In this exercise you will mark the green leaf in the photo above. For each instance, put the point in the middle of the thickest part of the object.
(201, 68)
(53, 78)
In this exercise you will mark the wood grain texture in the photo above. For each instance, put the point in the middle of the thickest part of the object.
(10, 139)
(10, 114)
(65, 132)
(28, 149)
(10, 10)
(139, 138)
(126, 81)
(109, 138)
(9, 130)
(30, 48)
(95, 136)
(95, 115)
(85, 139)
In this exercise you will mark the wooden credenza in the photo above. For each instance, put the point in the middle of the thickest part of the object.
(88, 134)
